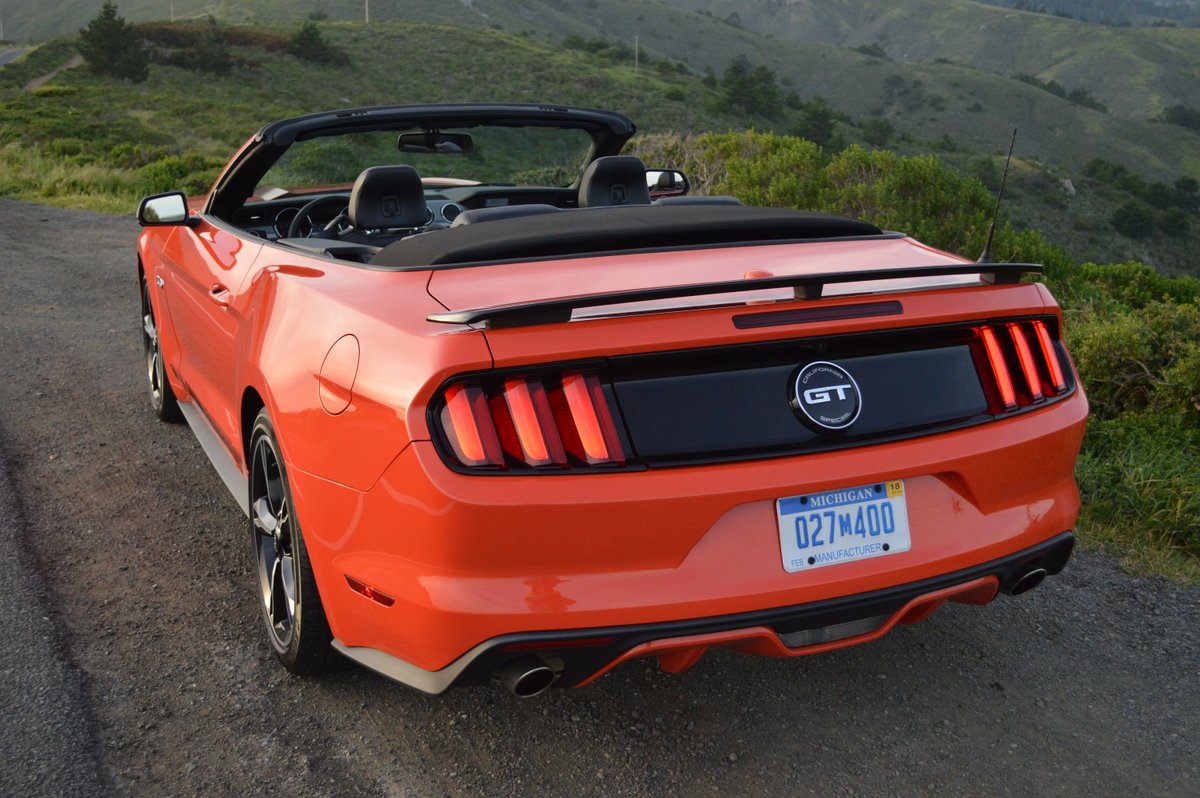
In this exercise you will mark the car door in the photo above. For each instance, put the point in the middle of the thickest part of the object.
(210, 264)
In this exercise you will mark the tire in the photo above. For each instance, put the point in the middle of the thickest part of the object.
(162, 398)
(295, 618)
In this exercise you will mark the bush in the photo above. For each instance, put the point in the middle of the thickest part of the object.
(877, 132)
(1147, 358)
(191, 175)
(308, 44)
(1175, 222)
(1133, 220)
(1140, 472)
(111, 47)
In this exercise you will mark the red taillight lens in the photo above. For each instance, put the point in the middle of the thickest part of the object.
(543, 421)
(592, 419)
(1025, 350)
(995, 355)
(534, 422)
(469, 427)
(1029, 368)
(1050, 356)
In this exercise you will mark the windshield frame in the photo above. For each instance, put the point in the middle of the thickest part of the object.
(608, 131)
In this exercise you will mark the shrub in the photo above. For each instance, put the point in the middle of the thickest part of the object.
(53, 90)
(877, 132)
(1133, 220)
(111, 47)
(191, 175)
(308, 44)
(1146, 358)
(1175, 222)
(1140, 472)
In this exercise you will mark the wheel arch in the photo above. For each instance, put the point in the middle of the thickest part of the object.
(252, 405)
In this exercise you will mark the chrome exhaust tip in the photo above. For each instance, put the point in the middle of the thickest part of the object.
(1027, 581)
(526, 677)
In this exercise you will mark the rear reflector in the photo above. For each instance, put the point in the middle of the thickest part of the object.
(556, 421)
(370, 592)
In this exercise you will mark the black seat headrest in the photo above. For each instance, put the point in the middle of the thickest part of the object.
(614, 180)
(387, 197)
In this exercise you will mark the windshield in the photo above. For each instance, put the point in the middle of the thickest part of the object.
(534, 156)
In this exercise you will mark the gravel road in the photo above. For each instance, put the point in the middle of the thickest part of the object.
(135, 665)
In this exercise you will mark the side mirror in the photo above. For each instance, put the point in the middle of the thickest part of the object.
(666, 183)
(164, 209)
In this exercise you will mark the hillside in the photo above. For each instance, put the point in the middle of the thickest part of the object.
(1135, 72)
(959, 55)
(962, 113)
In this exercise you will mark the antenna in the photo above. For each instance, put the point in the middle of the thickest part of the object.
(986, 255)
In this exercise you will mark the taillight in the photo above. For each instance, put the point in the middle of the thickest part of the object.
(559, 421)
(1021, 363)
(1050, 357)
(996, 359)
(469, 428)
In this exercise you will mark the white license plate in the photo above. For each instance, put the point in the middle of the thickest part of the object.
(842, 525)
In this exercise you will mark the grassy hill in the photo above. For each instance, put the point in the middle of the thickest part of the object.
(1135, 72)
(91, 129)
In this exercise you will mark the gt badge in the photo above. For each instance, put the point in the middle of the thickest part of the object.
(827, 396)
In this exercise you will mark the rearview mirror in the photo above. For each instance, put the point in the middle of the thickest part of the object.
(666, 183)
(435, 142)
(163, 209)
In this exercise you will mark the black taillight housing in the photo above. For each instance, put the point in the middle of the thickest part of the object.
(1019, 364)
(559, 420)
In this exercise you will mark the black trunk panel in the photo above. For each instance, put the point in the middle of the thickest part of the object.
(737, 401)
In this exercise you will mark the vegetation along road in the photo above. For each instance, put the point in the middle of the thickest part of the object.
(135, 664)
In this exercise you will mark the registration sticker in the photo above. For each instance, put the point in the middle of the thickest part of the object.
(843, 525)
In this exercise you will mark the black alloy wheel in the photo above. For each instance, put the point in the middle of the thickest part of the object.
(291, 606)
(162, 398)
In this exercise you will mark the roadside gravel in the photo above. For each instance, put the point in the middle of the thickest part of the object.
(119, 533)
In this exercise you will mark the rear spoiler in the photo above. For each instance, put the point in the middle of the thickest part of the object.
(806, 286)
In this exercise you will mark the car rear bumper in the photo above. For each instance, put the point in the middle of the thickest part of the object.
(579, 656)
(463, 560)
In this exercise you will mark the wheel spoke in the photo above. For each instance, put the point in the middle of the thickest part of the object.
(278, 611)
(288, 573)
(149, 328)
(266, 563)
(265, 521)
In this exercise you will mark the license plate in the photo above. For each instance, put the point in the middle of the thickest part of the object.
(843, 525)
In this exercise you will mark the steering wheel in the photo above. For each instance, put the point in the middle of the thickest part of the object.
(295, 229)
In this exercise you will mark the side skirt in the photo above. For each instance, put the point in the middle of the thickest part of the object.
(227, 469)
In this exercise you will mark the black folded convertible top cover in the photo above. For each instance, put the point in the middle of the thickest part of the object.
(588, 231)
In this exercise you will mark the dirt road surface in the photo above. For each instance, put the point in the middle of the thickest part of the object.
(134, 664)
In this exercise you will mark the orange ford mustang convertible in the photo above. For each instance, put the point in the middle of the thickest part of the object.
(500, 403)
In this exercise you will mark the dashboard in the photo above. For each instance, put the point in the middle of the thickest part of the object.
(272, 219)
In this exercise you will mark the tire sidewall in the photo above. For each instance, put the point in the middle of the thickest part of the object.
(291, 652)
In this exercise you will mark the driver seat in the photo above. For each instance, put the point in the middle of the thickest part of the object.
(388, 198)
(614, 180)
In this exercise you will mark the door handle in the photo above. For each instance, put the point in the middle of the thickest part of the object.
(219, 294)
